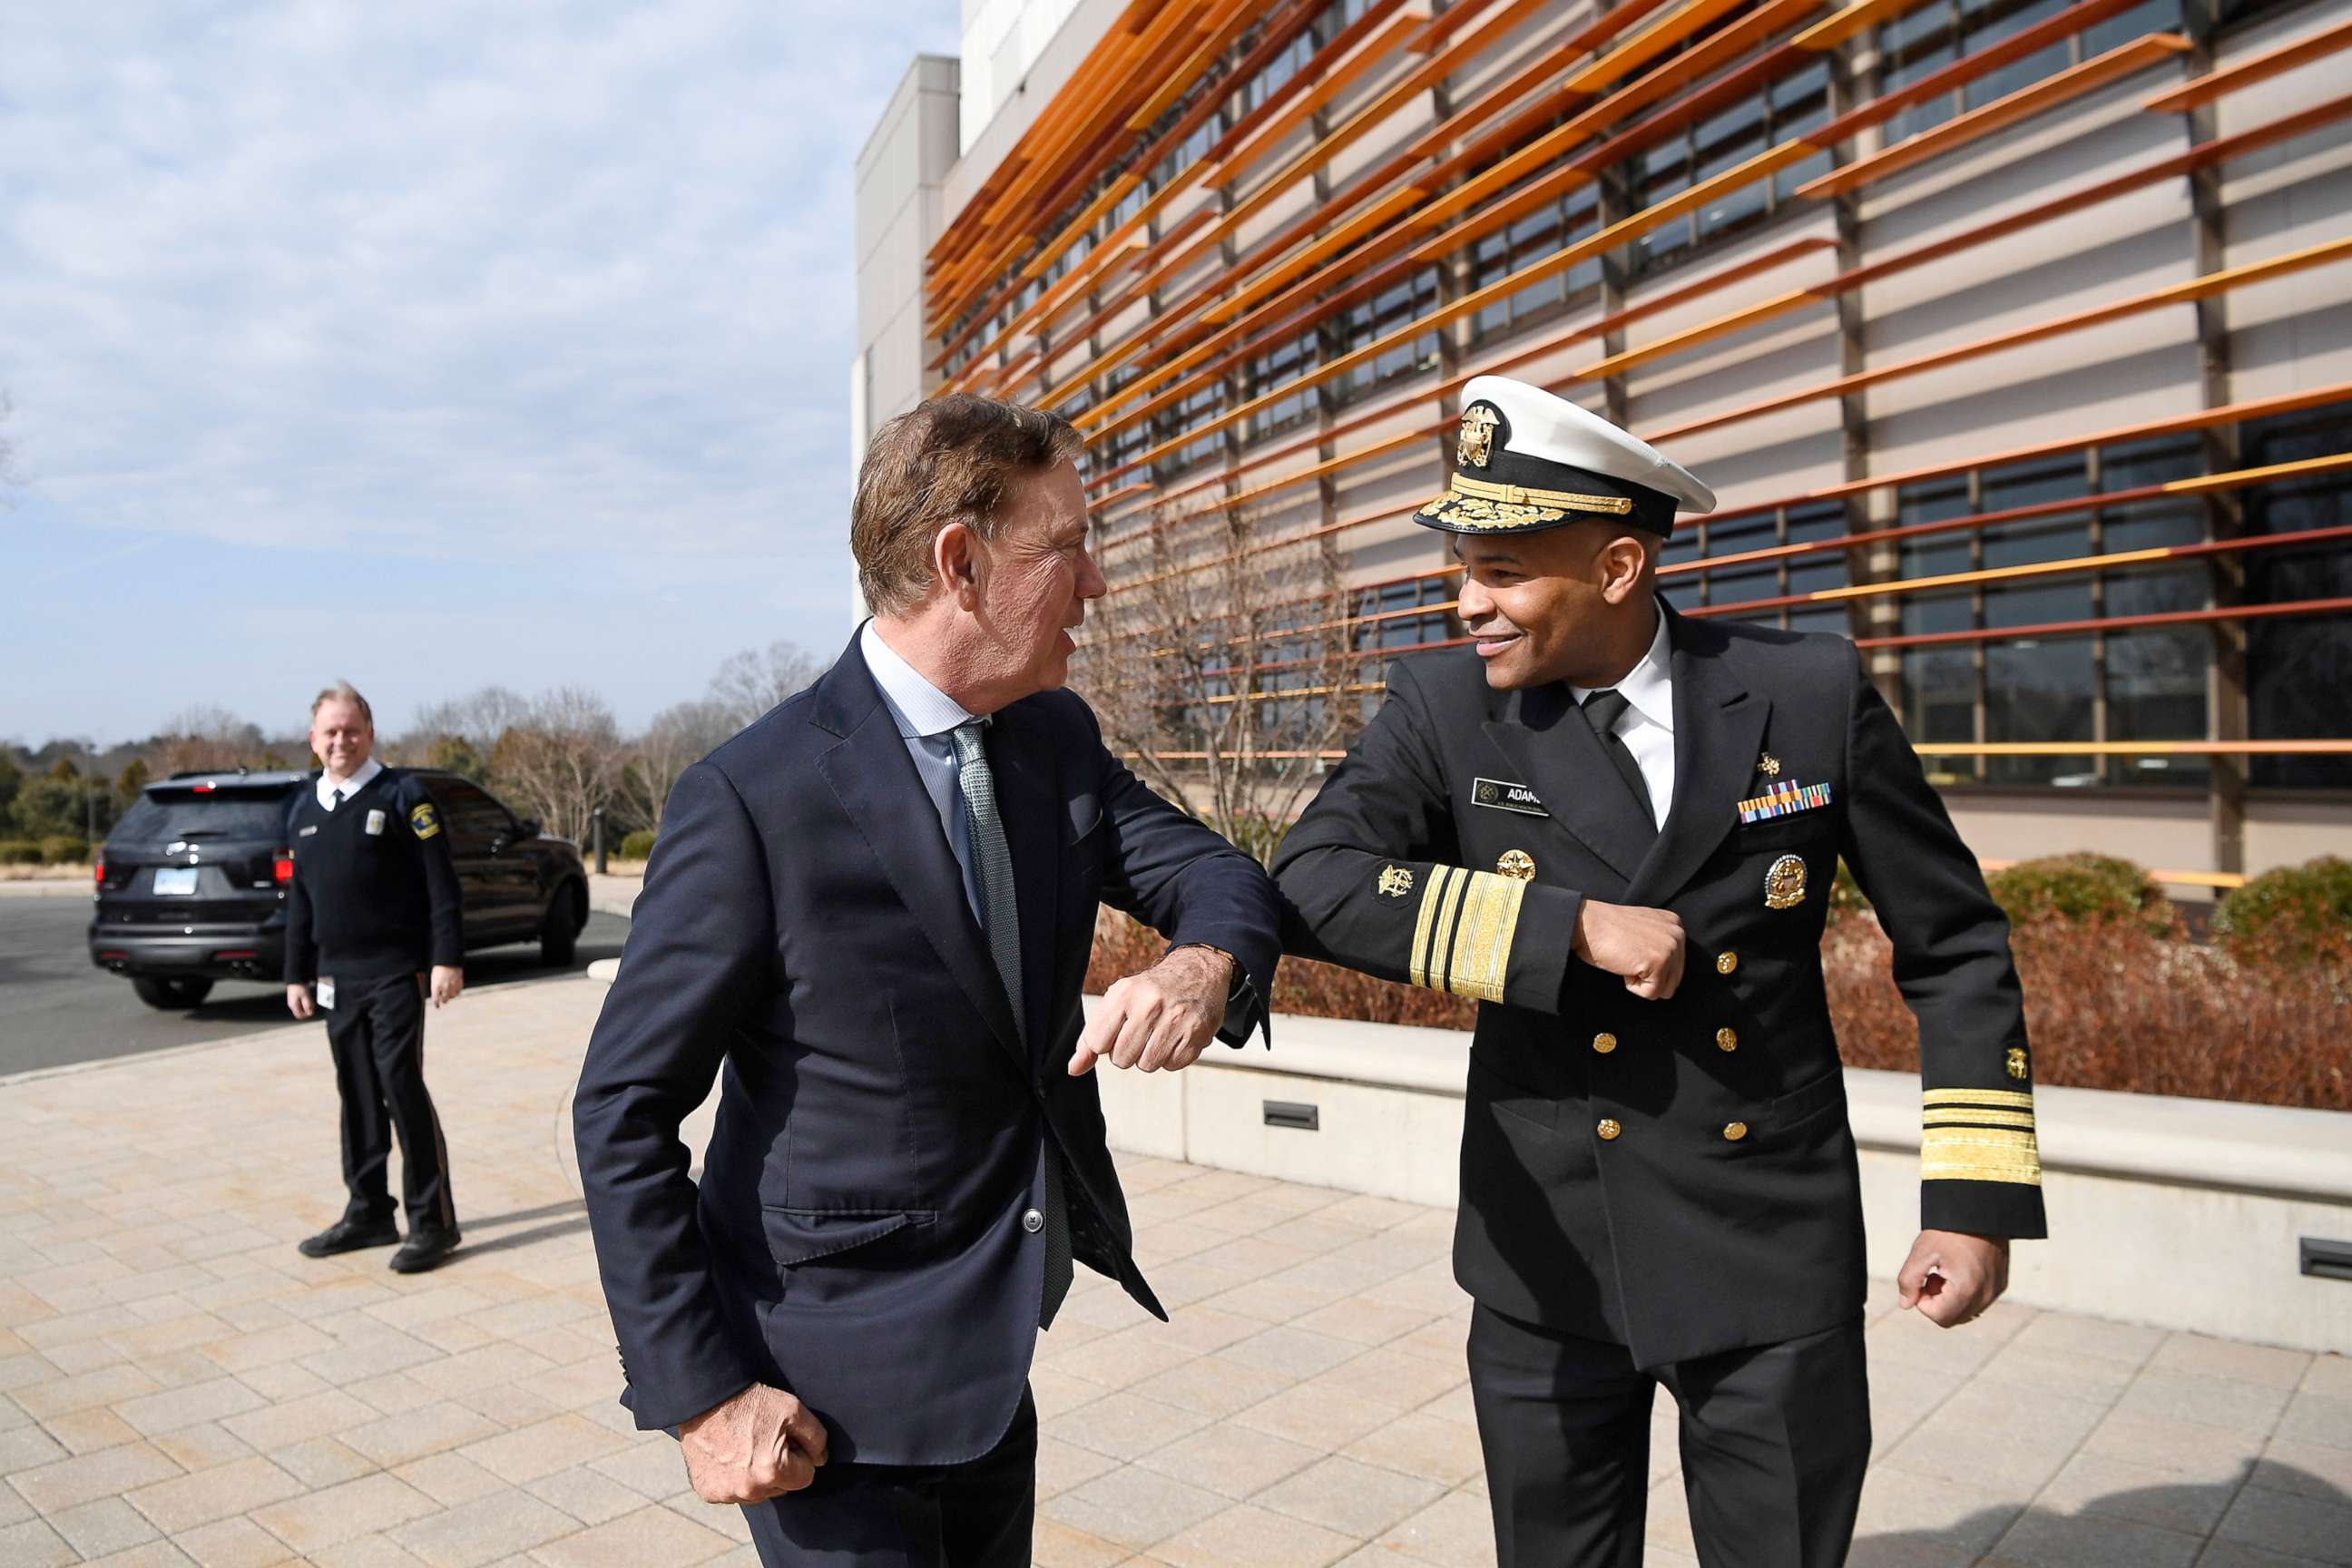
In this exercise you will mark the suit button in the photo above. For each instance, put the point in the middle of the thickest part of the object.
(1727, 1039)
(1733, 1131)
(1608, 1127)
(1031, 1221)
(1725, 963)
(1604, 1042)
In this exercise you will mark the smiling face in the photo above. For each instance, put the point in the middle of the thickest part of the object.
(341, 736)
(1567, 604)
(1028, 587)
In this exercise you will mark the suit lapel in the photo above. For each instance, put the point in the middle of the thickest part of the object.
(1552, 748)
(876, 781)
(1020, 759)
(1719, 734)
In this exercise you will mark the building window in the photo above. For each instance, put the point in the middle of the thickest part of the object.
(1522, 244)
(1378, 316)
(1789, 107)
(1283, 364)
(1917, 45)
(2298, 667)
(1742, 582)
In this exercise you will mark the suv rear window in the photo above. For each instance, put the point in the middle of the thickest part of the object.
(161, 816)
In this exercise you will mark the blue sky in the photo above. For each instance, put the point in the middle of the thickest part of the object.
(426, 345)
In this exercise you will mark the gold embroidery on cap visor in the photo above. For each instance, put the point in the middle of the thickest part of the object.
(1478, 504)
(1461, 933)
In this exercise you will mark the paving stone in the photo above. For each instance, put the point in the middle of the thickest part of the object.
(2201, 1453)
(298, 1420)
(2043, 1540)
(585, 1496)
(2308, 1470)
(322, 1462)
(2318, 1418)
(2240, 1406)
(238, 1487)
(2200, 1356)
(211, 1400)
(368, 1504)
(649, 1535)
(1061, 1466)
(1057, 1545)
(529, 1452)
(1348, 1496)
(451, 1478)
(1245, 1536)
(1125, 1426)
(1457, 1530)
(2319, 1529)
(61, 1396)
(102, 1526)
(494, 1525)
(1931, 1511)
(33, 1544)
(1134, 1507)
(1295, 1354)
(1213, 1385)
(2117, 1489)
(157, 1553)
(1315, 1415)
(2030, 1440)
(233, 1544)
(2329, 1374)
(110, 1472)
(27, 1447)
(393, 1440)
(1420, 1443)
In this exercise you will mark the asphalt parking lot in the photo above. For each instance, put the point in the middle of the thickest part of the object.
(57, 1008)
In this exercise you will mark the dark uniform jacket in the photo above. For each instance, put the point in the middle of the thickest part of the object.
(1675, 1176)
(365, 905)
(857, 1235)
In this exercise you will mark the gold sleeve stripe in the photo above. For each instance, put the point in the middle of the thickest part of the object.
(1968, 1116)
(1441, 940)
(1979, 1155)
(1424, 925)
(2018, 1100)
(1482, 951)
(1976, 1137)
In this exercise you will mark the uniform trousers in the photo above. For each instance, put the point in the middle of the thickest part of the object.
(1774, 1442)
(979, 1514)
(376, 1030)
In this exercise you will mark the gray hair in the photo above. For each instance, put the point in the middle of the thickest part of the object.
(343, 691)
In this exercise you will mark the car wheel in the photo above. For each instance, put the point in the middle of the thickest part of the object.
(559, 932)
(171, 995)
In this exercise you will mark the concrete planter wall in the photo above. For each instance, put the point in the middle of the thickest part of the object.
(2184, 1214)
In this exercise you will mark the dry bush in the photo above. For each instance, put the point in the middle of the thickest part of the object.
(2115, 1006)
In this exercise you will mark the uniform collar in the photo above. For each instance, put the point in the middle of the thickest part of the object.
(1649, 687)
(918, 708)
(349, 786)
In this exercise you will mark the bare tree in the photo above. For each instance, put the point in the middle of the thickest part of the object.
(1222, 669)
(678, 735)
(560, 760)
(751, 682)
(207, 739)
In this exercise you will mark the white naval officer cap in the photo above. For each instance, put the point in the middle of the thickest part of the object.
(1526, 459)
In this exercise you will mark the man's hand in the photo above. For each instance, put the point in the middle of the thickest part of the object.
(298, 1002)
(448, 981)
(1644, 946)
(759, 1445)
(1952, 1276)
(1163, 1017)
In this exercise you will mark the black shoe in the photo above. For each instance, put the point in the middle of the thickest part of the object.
(424, 1250)
(349, 1235)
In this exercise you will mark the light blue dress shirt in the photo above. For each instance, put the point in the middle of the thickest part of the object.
(926, 719)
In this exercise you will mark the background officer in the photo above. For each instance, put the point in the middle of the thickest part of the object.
(375, 901)
(1617, 830)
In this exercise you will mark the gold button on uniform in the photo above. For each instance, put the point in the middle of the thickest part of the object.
(1727, 1038)
(1725, 963)
(1733, 1131)
(1608, 1127)
(1604, 1042)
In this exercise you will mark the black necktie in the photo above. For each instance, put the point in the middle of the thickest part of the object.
(1602, 710)
(339, 800)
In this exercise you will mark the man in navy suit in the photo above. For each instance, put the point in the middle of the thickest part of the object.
(868, 917)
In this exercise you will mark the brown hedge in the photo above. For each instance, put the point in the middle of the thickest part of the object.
(2108, 1004)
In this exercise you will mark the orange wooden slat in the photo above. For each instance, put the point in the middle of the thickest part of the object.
(2047, 93)
(2273, 62)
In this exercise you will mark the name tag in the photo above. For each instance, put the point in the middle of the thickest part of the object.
(306, 832)
(326, 993)
(1501, 794)
(374, 823)
(1783, 800)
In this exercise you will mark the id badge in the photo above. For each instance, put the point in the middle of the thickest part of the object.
(326, 993)
(374, 823)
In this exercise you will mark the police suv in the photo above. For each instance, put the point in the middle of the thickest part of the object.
(191, 881)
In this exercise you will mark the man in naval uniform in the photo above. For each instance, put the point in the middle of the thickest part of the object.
(1616, 829)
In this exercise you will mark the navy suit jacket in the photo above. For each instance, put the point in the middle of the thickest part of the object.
(856, 1236)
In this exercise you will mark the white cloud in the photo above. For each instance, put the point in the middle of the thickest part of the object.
(476, 282)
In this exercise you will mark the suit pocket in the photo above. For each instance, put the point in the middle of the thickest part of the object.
(1086, 816)
(1801, 1107)
(1781, 831)
(1508, 1100)
(804, 1236)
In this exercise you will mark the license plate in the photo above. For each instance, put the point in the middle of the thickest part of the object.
(179, 879)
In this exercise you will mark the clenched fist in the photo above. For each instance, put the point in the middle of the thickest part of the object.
(1643, 946)
(759, 1445)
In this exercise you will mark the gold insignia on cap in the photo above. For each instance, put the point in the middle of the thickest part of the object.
(1475, 448)
(1516, 864)
(1769, 765)
(1784, 884)
(1395, 881)
(2016, 1062)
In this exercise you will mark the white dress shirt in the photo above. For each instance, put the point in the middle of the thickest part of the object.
(1647, 725)
(926, 719)
(348, 787)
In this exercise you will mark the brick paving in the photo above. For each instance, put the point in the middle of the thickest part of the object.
(177, 1385)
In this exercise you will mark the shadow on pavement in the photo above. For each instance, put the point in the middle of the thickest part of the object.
(2268, 1506)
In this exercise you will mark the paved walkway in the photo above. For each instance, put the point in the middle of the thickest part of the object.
(181, 1386)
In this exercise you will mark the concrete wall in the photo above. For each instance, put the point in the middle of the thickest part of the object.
(901, 174)
(2178, 1213)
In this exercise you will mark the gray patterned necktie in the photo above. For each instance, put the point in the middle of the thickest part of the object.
(1001, 923)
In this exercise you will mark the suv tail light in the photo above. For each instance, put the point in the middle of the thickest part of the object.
(98, 874)
(281, 866)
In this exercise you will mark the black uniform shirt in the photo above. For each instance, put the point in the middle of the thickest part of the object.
(374, 892)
